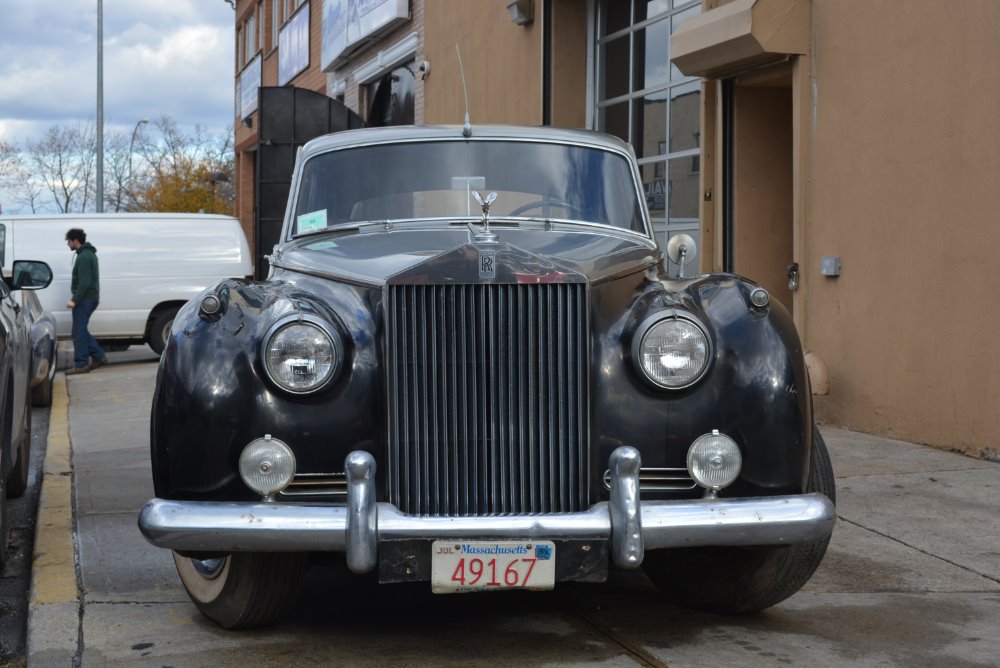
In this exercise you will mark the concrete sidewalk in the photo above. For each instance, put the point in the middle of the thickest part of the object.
(912, 576)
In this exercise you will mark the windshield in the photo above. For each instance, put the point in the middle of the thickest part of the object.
(436, 179)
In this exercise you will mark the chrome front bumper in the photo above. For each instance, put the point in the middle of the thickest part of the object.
(357, 529)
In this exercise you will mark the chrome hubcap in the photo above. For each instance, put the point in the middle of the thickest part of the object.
(209, 568)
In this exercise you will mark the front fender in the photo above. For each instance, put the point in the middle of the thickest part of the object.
(213, 397)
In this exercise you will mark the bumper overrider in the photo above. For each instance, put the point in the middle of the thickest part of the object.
(357, 529)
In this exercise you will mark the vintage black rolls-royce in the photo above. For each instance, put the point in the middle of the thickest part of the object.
(470, 367)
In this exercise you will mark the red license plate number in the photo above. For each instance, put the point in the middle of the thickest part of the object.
(469, 566)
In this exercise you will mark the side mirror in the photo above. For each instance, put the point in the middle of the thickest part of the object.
(30, 275)
(681, 249)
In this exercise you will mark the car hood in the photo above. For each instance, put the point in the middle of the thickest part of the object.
(452, 255)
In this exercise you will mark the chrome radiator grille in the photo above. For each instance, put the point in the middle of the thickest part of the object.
(487, 398)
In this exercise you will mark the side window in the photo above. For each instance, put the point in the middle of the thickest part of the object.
(3, 245)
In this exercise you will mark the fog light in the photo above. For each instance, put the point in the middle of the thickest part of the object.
(267, 465)
(714, 461)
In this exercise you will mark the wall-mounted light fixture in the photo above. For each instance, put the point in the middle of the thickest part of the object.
(521, 12)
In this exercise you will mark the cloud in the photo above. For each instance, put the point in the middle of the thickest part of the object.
(173, 58)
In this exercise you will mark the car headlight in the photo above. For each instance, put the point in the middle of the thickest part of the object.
(673, 350)
(301, 354)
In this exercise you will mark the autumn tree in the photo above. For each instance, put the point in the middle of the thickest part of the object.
(184, 172)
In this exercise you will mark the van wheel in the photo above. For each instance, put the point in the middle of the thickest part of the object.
(159, 331)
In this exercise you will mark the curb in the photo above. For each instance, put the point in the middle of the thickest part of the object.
(54, 601)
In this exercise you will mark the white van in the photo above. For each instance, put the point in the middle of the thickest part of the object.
(150, 264)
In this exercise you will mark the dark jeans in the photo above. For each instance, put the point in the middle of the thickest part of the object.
(84, 345)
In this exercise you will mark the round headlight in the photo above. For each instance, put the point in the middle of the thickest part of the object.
(673, 352)
(714, 460)
(301, 356)
(267, 465)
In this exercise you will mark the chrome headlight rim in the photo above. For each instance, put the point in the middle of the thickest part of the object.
(318, 323)
(648, 324)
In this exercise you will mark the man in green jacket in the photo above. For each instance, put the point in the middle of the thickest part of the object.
(86, 288)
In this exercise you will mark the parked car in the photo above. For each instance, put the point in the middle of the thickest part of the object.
(15, 386)
(150, 265)
(44, 344)
(470, 367)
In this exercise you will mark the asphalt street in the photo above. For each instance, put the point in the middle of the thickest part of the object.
(912, 577)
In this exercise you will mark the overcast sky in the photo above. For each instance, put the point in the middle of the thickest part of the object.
(171, 57)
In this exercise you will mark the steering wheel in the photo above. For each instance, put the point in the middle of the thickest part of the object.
(547, 202)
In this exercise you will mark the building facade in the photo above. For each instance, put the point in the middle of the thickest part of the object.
(842, 153)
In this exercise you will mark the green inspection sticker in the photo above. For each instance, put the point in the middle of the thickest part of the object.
(308, 222)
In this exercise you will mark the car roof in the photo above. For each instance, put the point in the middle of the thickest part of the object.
(402, 133)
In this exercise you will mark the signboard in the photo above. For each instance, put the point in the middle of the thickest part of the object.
(247, 87)
(293, 46)
(349, 25)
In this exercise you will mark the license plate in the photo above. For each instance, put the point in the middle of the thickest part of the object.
(468, 566)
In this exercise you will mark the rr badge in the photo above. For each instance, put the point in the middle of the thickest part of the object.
(487, 263)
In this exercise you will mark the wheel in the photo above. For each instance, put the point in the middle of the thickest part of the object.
(3, 526)
(17, 477)
(743, 580)
(547, 203)
(243, 590)
(42, 394)
(5, 436)
(159, 331)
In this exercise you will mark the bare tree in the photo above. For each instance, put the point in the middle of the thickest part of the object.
(64, 160)
(118, 190)
(16, 181)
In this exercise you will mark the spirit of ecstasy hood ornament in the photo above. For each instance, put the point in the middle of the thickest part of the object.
(485, 235)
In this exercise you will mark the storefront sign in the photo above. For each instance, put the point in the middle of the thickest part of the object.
(293, 46)
(349, 25)
(247, 87)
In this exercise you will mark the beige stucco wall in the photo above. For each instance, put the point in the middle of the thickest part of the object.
(904, 185)
(502, 61)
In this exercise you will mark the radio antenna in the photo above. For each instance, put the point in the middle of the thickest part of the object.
(467, 129)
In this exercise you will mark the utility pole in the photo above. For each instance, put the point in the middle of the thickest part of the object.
(100, 106)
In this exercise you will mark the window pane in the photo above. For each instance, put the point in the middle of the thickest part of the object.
(616, 120)
(652, 61)
(650, 131)
(685, 117)
(647, 9)
(676, 21)
(684, 188)
(616, 16)
(654, 188)
(615, 68)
